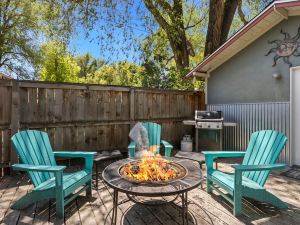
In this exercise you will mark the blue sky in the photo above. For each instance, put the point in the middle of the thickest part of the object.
(81, 44)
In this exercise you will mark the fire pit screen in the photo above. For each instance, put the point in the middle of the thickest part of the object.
(152, 170)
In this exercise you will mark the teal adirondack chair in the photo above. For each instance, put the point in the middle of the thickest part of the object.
(154, 133)
(249, 178)
(35, 152)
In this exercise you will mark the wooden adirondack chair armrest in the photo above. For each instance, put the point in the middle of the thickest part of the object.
(74, 154)
(168, 147)
(131, 145)
(258, 167)
(223, 154)
(27, 167)
(88, 157)
(166, 144)
(210, 156)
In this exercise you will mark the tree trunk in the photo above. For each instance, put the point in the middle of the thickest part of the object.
(220, 19)
(229, 11)
(213, 35)
(179, 47)
(174, 29)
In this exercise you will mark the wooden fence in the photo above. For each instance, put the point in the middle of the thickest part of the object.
(90, 117)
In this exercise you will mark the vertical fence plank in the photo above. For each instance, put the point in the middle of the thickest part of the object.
(15, 117)
(132, 107)
(90, 117)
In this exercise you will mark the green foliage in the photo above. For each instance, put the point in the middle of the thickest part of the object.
(19, 22)
(121, 73)
(88, 64)
(158, 60)
(57, 64)
(23, 24)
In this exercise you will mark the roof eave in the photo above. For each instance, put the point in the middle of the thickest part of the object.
(273, 7)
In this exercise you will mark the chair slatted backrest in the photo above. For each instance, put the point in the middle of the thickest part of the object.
(34, 148)
(154, 132)
(264, 149)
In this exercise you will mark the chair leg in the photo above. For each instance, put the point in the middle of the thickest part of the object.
(168, 151)
(60, 207)
(59, 195)
(97, 176)
(237, 204)
(89, 189)
(237, 193)
(208, 185)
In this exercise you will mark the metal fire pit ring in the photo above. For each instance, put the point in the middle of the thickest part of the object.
(181, 173)
(180, 187)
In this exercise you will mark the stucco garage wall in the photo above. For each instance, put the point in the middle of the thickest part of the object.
(247, 77)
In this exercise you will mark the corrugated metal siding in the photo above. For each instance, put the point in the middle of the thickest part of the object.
(252, 117)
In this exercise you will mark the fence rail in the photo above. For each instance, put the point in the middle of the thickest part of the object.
(90, 117)
(251, 117)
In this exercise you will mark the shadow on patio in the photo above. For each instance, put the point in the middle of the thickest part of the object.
(203, 208)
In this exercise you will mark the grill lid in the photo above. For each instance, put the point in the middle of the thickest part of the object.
(208, 115)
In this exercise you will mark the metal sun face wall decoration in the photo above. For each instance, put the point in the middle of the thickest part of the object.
(285, 48)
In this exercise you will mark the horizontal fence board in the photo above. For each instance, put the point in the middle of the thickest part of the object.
(93, 117)
(252, 117)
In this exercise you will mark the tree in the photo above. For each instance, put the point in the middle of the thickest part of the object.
(23, 24)
(57, 64)
(88, 64)
(18, 25)
(121, 73)
(173, 25)
(221, 16)
(182, 22)
(160, 68)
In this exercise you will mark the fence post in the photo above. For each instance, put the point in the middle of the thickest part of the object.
(15, 116)
(132, 105)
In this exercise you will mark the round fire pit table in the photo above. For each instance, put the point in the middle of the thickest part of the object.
(191, 179)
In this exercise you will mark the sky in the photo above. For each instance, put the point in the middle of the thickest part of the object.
(80, 44)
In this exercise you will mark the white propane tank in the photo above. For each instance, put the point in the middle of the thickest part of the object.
(187, 143)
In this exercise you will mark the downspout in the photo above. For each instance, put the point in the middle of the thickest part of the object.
(206, 86)
(205, 90)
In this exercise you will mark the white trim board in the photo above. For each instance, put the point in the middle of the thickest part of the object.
(294, 117)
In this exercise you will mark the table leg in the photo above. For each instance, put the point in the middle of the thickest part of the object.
(97, 176)
(115, 208)
(184, 208)
(196, 141)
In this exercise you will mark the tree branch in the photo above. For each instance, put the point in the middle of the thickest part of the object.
(191, 13)
(157, 15)
(241, 13)
(195, 24)
(165, 5)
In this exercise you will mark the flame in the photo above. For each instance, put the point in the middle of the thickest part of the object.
(153, 168)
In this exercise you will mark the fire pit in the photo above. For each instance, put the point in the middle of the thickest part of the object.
(152, 170)
(155, 177)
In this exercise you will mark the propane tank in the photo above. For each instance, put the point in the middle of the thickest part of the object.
(187, 143)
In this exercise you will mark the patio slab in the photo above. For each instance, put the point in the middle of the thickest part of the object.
(203, 208)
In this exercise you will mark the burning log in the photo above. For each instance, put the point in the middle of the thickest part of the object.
(150, 169)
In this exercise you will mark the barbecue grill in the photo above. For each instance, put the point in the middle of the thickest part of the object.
(209, 120)
(209, 125)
